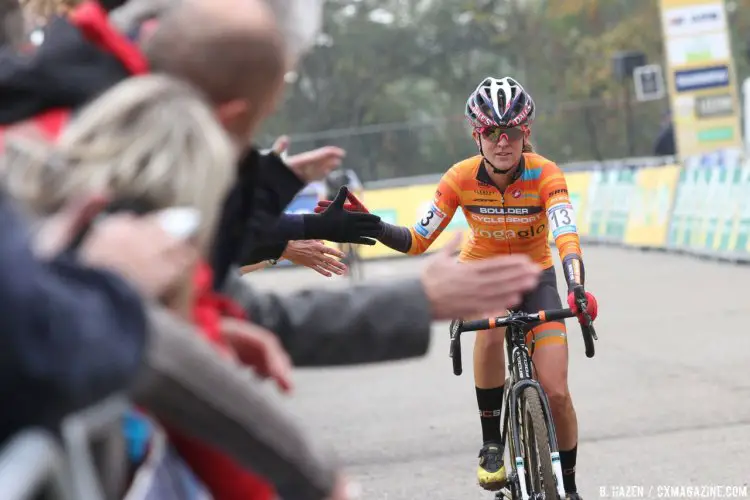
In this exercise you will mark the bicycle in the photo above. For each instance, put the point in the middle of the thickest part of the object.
(526, 418)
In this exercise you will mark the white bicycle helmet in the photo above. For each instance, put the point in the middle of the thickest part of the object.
(500, 103)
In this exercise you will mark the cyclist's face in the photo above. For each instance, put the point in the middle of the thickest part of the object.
(503, 146)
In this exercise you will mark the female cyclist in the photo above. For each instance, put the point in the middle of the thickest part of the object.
(512, 198)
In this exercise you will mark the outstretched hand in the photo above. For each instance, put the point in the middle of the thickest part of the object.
(354, 204)
(335, 223)
(311, 165)
(317, 256)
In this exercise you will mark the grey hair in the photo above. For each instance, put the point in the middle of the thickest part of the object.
(151, 138)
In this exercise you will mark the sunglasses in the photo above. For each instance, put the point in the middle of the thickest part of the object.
(494, 134)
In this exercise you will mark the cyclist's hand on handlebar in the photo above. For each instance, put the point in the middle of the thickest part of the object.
(592, 307)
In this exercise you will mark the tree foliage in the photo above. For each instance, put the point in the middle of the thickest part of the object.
(389, 79)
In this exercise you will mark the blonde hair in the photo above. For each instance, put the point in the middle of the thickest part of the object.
(151, 138)
(527, 147)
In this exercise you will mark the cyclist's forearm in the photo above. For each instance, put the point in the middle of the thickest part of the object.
(569, 249)
(396, 237)
(574, 271)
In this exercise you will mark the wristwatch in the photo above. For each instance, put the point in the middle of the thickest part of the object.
(272, 262)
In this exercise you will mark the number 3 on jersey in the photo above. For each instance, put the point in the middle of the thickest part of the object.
(429, 222)
(561, 219)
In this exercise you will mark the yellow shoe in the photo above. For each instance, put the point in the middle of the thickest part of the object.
(491, 471)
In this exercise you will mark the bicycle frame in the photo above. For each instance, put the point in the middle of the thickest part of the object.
(521, 377)
(520, 368)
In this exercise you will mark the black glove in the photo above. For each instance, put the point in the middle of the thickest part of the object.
(336, 224)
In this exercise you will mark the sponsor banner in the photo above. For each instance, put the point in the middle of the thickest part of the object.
(648, 222)
(701, 76)
(712, 106)
(700, 79)
(711, 213)
(610, 198)
(698, 50)
(690, 18)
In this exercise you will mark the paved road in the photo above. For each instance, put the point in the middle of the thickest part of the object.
(666, 400)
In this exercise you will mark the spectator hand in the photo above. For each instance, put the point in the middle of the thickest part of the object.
(342, 226)
(315, 255)
(259, 349)
(345, 489)
(58, 231)
(467, 289)
(139, 249)
(311, 165)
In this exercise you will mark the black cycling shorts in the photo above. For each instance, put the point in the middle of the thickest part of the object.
(544, 296)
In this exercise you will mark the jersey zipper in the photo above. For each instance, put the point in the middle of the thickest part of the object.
(505, 218)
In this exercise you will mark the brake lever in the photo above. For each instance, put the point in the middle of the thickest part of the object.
(583, 306)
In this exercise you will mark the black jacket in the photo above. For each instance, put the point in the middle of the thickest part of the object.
(71, 335)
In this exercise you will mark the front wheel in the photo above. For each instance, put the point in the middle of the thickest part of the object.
(540, 477)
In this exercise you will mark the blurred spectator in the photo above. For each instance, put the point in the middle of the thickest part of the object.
(665, 142)
(404, 334)
(149, 140)
(73, 334)
(266, 184)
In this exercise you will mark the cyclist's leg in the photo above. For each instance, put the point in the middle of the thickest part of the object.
(550, 354)
(489, 381)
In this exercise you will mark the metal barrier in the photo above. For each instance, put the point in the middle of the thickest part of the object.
(88, 464)
(31, 463)
(94, 436)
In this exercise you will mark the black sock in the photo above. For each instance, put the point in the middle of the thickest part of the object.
(490, 403)
(568, 465)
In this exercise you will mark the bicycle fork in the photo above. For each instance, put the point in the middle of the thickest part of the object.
(511, 425)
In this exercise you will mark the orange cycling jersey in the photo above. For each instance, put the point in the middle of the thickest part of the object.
(517, 220)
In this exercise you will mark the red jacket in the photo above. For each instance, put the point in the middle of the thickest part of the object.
(221, 475)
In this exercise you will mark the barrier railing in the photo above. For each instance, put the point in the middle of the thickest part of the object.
(701, 206)
(33, 463)
(95, 447)
(88, 462)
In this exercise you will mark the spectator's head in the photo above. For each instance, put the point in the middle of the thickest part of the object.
(148, 138)
(231, 49)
